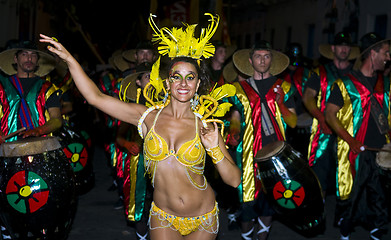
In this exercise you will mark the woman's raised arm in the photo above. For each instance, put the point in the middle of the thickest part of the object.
(128, 112)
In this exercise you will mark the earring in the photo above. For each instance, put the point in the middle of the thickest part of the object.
(194, 101)
(165, 98)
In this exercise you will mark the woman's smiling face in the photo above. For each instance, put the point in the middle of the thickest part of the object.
(183, 81)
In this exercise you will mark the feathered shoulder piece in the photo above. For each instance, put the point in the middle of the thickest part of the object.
(179, 42)
(207, 107)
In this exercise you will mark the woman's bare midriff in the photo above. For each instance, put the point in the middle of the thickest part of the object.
(175, 194)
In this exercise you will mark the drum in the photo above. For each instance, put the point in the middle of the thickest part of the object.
(383, 160)
(78, 152)
(37, 189)
(291, 186)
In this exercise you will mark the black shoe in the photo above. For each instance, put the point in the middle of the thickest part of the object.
(119, 204)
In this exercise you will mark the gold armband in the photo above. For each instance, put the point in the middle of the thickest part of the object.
(216, 154)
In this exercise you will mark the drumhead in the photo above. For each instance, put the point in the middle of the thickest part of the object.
(383, 159)
(269, 150)
(29, 146)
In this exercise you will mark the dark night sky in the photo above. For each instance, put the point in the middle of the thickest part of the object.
(109, 26)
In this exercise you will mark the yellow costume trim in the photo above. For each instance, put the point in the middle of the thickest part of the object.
(215, 153)
(133, 175)
(191, 154)
(208, 222)
(315, 122)
(49, 92)
(67, 85)
(248, 140)
(345, 177)
(279, 119)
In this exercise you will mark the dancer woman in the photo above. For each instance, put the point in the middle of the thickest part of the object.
(176, 138)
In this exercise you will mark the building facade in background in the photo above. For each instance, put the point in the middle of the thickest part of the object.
(308, 22)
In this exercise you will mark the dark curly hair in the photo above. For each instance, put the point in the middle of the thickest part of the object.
(201, 70)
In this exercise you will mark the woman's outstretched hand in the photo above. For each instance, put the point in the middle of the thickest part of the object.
(56, 47)
(210, 135)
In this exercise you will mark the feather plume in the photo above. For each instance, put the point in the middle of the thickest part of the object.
(154, 78)
(182, 42)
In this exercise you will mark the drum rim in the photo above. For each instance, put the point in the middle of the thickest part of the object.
(383, 155)
(378, 162)
(18, 148)
(279, 147)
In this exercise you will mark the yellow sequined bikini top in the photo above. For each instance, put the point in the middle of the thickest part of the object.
(189, 154)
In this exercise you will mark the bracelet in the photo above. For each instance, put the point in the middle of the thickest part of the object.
(215, 153)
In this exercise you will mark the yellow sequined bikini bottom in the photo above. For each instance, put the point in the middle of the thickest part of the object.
(208, 222)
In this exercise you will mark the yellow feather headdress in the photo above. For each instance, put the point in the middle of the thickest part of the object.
(179, 42)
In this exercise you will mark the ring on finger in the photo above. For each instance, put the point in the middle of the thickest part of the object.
(55, 39)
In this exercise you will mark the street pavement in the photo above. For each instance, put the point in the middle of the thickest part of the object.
(97, 219)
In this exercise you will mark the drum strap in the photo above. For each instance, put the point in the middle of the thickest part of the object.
(376, 110)
(267, 125)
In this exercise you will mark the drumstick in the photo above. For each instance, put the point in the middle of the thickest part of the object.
(378, 149)
(14, 133)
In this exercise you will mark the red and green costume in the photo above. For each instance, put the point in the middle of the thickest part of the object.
(318, 140)
(35, 104)
(135, 182)
(110, 84)
(248, 102)
(298, 79)
(354, 116)
(135, 185)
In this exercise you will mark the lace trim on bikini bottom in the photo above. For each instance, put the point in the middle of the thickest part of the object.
(208, 222)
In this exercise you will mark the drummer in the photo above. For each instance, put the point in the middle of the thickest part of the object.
(322, 154)
(358, 111)
(266, 107)
(28, 100)
(22, 80)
